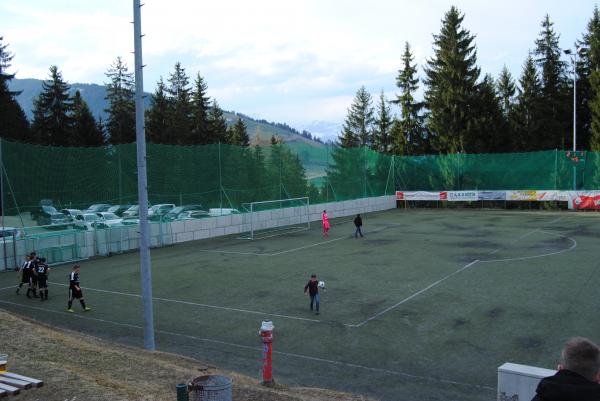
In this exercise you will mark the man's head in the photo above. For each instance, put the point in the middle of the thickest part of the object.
(313, 277)
(581, 356)
(76, 268)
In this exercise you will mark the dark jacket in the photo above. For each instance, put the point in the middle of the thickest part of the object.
(312, 287)
(358, 221)
(566, 385)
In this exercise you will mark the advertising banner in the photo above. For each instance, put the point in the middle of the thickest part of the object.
(417, 195)
(521, 195)
(550, 196)
(491, 195)
(455, 196)
(585, 200)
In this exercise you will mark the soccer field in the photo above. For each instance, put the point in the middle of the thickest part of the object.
(425, 307)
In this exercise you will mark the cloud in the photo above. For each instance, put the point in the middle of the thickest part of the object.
(285, 61)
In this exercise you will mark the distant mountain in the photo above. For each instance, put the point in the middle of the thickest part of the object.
(327, 131)
(260, 131)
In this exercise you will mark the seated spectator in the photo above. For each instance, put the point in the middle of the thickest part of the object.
(578, 375)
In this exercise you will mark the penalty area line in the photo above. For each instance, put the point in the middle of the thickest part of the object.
(430, 286)
(259, 349)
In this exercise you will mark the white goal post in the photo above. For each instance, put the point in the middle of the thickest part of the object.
(275, 217)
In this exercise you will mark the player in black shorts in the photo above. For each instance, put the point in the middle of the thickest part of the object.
(42, 276)
(25, 272)
(34, 274)
(75, 290)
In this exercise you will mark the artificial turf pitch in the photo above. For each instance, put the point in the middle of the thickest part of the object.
(425, 307)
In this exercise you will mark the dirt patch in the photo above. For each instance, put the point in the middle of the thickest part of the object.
(459, 322)
(478, 244)
(495, 313)
(380, 241)
(80, 367)
(528, 342)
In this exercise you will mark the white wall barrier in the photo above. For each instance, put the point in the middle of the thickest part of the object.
(518, 382)
(63, 246)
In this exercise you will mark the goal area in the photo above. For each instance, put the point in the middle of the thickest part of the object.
(271, 218)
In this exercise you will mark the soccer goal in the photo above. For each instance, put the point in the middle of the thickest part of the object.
(275, 217)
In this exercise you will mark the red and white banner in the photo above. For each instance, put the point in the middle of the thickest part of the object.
(551, 196)
(584, 200)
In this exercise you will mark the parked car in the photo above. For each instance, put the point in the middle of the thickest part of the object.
(57, 219)
(107, 219)
(213, 212)
(71, 213)
(192, 215)
(176, 211)
(97, 207)
(156, 212)
(132, 212)
(86, 221)
(118, 209)
(42, 210)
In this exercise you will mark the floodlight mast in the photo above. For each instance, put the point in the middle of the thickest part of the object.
(573, 54)
(140, 135)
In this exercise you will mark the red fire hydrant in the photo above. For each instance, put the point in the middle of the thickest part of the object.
(266, 335)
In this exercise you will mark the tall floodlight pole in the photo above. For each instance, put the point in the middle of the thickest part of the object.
(574, 60)
(140, 136)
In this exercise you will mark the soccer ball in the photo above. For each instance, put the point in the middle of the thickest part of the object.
(322, 284)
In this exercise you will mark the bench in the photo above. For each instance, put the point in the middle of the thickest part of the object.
(12, 383)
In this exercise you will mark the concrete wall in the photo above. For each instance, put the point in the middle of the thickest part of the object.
(518, 382)
(62, 247)
(240, 223)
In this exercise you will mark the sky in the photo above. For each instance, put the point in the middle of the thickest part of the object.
(298, 62)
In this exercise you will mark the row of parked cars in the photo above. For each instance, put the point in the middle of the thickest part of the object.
(102, 215)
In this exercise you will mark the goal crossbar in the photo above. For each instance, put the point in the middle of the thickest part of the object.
(270, 218)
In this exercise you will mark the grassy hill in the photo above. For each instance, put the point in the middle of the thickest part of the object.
(260, 131)
(74, 366)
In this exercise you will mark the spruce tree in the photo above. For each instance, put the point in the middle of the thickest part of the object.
(239, 134)
(85, 127)
(382, 136)
(554, 110)
(506, 89)
(52, 121)
(200, 111)
(157, 115)
(13, 122)
(526, 127)
(590, 76)
(120, 94)
(217, 124)
(358, 126)
(407, 133)
(451, 86)
(180, 114)
(491, 133)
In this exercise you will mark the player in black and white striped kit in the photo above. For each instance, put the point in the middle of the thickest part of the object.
(75, 290)
(42, 275)
(26, 274)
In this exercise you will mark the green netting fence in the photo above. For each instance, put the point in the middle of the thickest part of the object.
(224, 176)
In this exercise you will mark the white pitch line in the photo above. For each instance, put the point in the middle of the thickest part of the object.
(307, 246)
(416, 294)
(176, 301)
(573, 246)
(259, 349)
(232, 252)
(8, 288)
(461, 269)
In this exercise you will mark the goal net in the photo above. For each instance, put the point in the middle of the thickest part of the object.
(275, 217)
